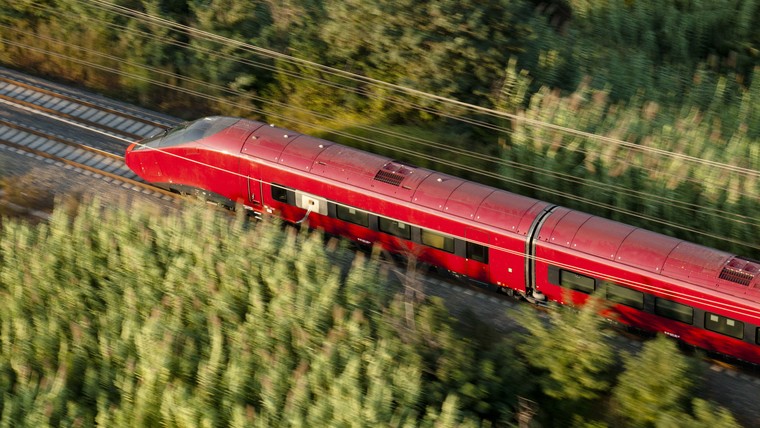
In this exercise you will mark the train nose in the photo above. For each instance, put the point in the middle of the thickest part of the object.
(129, 158)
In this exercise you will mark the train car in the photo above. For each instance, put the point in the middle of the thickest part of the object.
(702, 296)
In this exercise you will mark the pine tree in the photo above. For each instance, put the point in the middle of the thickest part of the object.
(571, 358)
(572, 347)
(654, 382)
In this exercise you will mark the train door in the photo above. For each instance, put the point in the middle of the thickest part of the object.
(251, 184)
(478, 251)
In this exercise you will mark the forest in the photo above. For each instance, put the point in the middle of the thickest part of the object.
(193, 318)
(645, 111)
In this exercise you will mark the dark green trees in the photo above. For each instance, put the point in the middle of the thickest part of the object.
(656, 390)
(162, 319)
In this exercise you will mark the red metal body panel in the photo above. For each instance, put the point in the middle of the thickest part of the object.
(601, 237)
(302, 151)
(564, 231)
(465, 200)
(348, 165)
(268, 142)
(508, 265)
(435, 190)
(530, 215)
(245, 128)
(692, 262)
(504, 210)
(693, 295)
(646, 250)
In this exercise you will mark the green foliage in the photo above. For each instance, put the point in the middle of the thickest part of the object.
(140, 318)
(572, 348)
(655, 390)
(647, 165)
(662, 76)
(137, 318)
(706, 415)
(446, 48)
(643, 399)
(653, 47)
(571, 359)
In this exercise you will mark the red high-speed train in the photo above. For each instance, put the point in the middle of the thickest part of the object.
(705, 297)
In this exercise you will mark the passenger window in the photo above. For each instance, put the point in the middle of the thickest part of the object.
(476, 252)
(675, 311)
(437, 240)
(576, 281)
(352, 215)
(724, 325)
(396, 228)
(279, 193)
(623, 295)
(757, 335)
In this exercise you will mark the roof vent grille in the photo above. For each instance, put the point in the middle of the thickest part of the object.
(740, 271)
(393, 173)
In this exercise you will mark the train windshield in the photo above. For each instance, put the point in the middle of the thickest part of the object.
(188, 131)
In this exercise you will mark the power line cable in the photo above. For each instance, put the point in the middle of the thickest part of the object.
(631, 146)
(225, 41)
(374, 142)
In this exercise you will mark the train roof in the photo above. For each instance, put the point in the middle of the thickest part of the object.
(652, 252)
(421, 186)
(492, 207)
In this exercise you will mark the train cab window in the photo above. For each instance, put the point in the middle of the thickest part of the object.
(396, 228)
(476, 252)
(624, 296)
(188, 132)
(352, 215)
(576, 281)
(675, 311)
(724, 325)
(436, 240)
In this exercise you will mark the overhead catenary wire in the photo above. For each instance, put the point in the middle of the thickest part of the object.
(219, 39)
(515, 182)
(567, 177)
(641, 148)
(407, 152)
(228, 42)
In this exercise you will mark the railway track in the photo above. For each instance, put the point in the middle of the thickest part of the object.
(70, 154)
(124, 122)
(101, 158)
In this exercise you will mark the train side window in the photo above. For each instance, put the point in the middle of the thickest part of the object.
(576, 281)
(279, 193)
(724, 325)
(477, 252)
(436, 240)
(675, 311)
(396, 228)
(352, 215)
(623, 295)
(757, 335)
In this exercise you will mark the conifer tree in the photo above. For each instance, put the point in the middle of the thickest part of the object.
(572, 347)
(651, 395)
